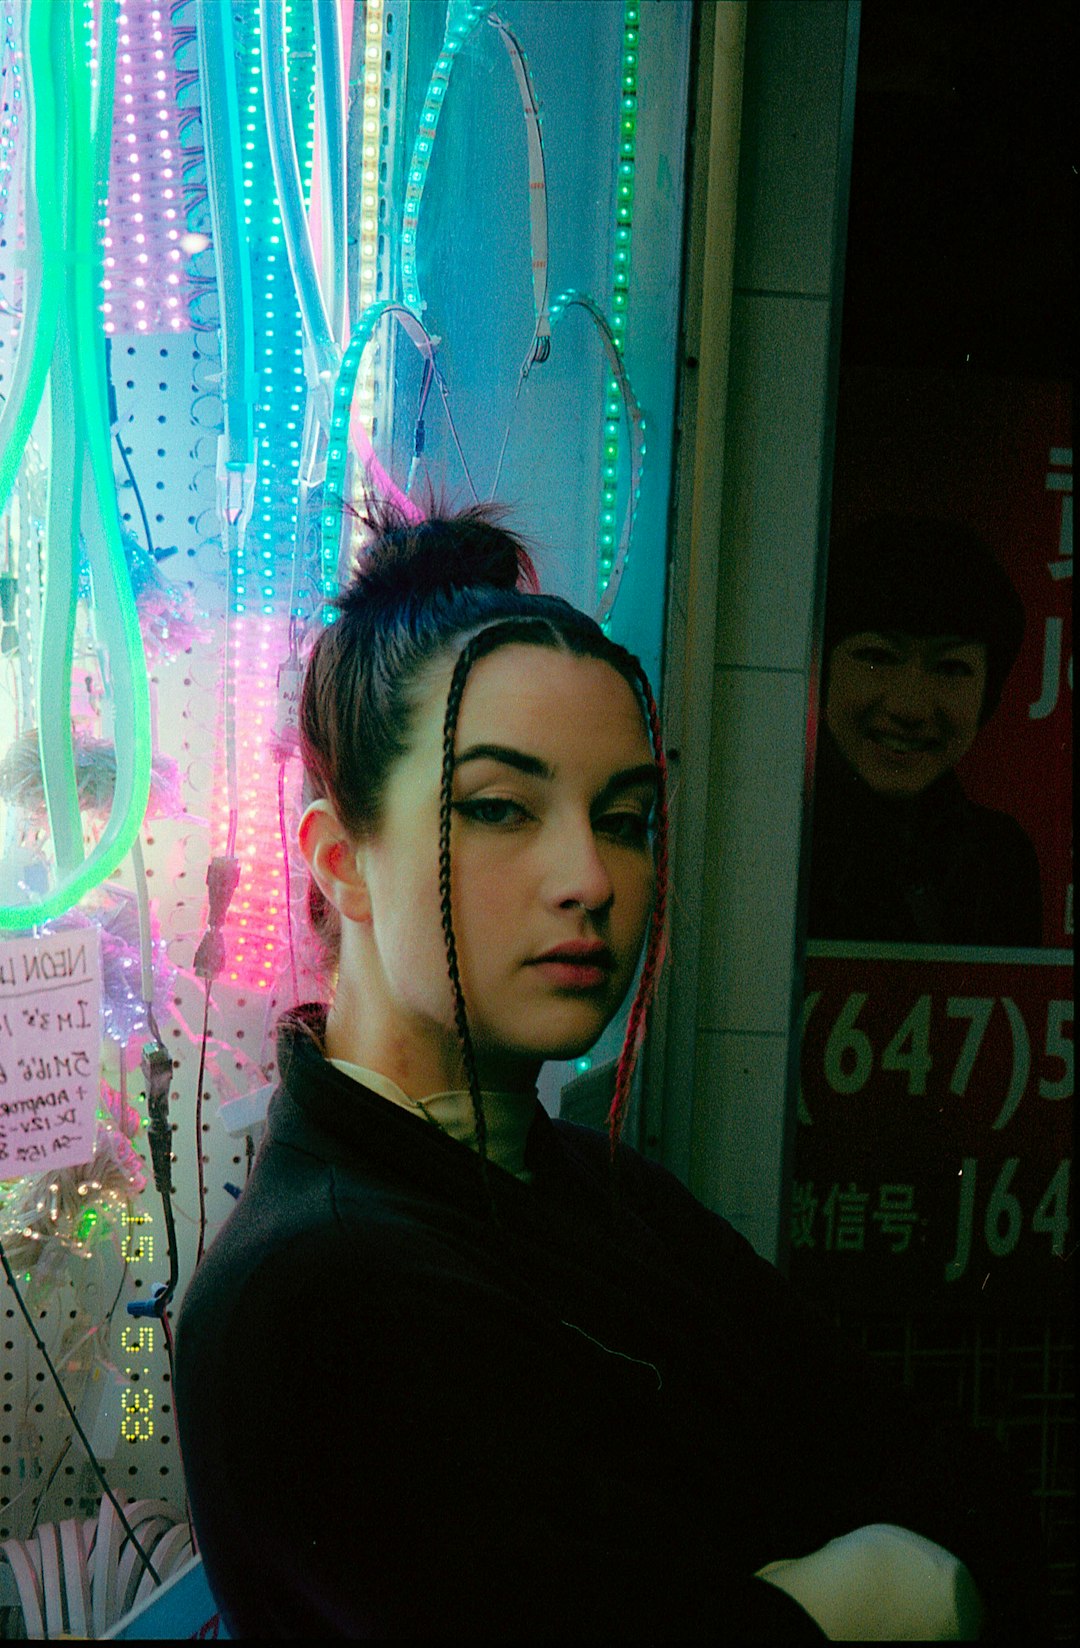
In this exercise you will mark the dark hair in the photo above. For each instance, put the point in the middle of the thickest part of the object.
(925, 576)
(419, 589)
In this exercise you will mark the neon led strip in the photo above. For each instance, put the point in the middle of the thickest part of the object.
(620, 288)
(462, 16)
(339, 431)
(636, 423)
(370, 153)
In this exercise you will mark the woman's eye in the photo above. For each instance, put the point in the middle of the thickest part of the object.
(874, 656)
(491, 810)
(959, 668)
(631, 829)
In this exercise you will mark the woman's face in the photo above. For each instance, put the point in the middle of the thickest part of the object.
(904, 708)
(554, 787)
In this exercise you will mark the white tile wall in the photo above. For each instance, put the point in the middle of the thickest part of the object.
(755, 803)
(775, 479)
(793, 72)
(739, 1131)
(772, 491)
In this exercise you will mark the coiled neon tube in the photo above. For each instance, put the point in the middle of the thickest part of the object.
(462, 18)
(44, 252)
(329, 536)
(81, 487)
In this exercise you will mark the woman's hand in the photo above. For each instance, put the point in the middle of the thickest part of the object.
(882, 1584)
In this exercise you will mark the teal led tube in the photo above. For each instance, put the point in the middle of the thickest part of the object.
(82, 491)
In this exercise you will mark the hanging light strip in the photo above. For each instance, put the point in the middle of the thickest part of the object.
(624, 221)
(370, 156)
(330, 540)
(627, 400)
(462, 16)
(370, 152)
(540, 347)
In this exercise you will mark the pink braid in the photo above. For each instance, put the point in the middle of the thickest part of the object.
(654, 956)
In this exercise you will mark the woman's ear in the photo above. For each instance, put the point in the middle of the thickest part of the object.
(332, 857)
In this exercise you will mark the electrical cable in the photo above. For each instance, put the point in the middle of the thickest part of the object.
(288, 874)
(444, 393)
(114, 425)
(222, 877)
(146, 938)
(198, 1126)
(123, 451)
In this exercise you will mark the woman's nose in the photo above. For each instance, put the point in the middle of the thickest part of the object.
(579, 874)
(908, 695)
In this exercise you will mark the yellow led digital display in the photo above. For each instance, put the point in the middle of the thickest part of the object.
(137, 1339)
(136, 1424)
(138, 1243)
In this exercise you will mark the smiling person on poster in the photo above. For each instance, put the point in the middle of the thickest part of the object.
(452, 1369)
(922, 627)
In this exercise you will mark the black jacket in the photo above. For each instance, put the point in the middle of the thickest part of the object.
(413, 1407)
(933, 869)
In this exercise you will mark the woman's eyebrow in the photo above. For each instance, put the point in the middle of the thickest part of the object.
(630, 777)
(510, 757)
(627, 778)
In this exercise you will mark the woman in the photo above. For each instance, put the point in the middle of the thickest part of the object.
(453, 1370)
(923, 627)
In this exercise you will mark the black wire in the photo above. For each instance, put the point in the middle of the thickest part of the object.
(288, 877)
(40, 1506)
(58, 1382)
(138, 497)
(198, 1127)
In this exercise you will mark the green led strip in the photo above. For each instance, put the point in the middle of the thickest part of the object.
(624, 222)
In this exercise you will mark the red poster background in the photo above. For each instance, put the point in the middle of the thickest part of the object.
(933, 1153)
(916, 1073)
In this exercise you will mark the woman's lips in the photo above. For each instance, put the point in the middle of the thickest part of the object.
(897, 747)
(570, 974)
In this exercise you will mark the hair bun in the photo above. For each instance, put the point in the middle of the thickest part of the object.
(468, 549)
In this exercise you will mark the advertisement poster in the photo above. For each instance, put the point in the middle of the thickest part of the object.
(934, 1147)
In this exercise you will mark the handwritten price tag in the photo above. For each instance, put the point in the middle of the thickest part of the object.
(50, 1044)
